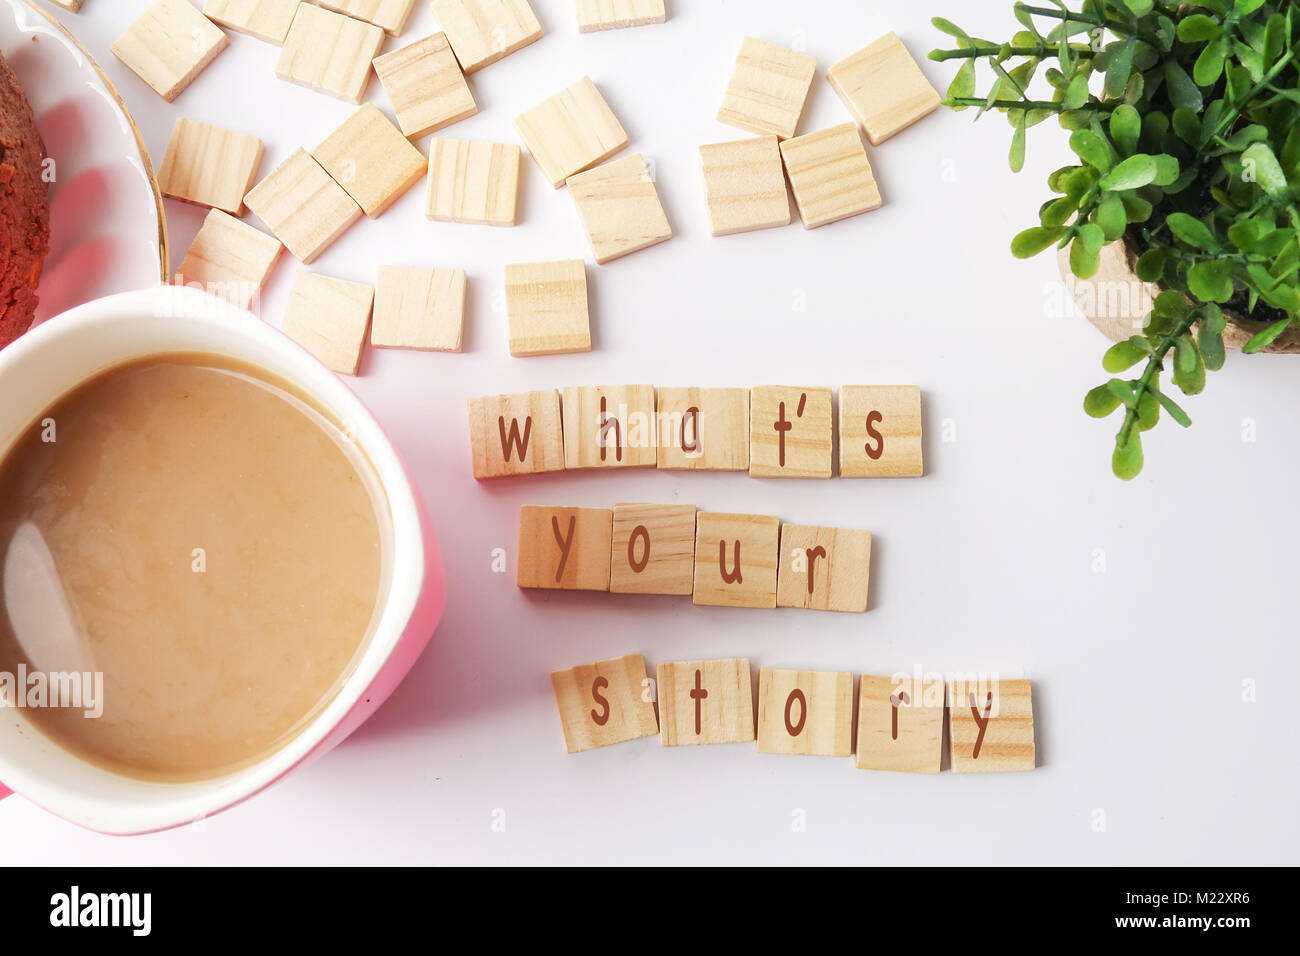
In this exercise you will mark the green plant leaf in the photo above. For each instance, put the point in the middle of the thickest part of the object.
(1111, 217)
(1175, 412)
(1197, 28)
(1132, 173)
(963, 84)
(1183, 91)
(1166, 170)
(1119, 67)
(1100, 401)
(1136, 208)
(1209, 337)
(1125, 128)
(1209, 65)
(1192, 231)
(1123, 392)
(1260, 165)
(1122, 356)
(1261, 340)
(1126, 462)
(1187, 125)
(1151, 265)
(1211, 281)
(1017, 155)
(1091, 148)
(1189, 368)
(1076, 94)
(1140, 8)
(948, 27)
(1243, 234)
(1148, 411)
(1084, 261)
(1245, 8)
(1034, 240)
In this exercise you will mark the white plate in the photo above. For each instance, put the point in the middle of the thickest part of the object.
(106, 221)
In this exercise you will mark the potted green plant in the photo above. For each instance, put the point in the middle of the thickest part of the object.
(1185, 119)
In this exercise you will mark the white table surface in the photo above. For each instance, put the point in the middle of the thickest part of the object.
(987, 563)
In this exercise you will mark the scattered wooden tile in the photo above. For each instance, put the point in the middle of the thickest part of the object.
(425, 86)
(370, 158)
(71, 5)
(484, 31)
(703, 429)
(805, 712)
(880, 431)
(991, 726)
(608, 426)
(546, 306)
(768, 87)
(619, 207)
(705, 702)
(830, 175)
(265, 19)
(744, 185)
(653, 550)
(229, 259)
(883, 87)
(825, 569)
(596, 15)
(564, 548)
(572, 131)
(303, 206)
(328, 52)
(605, 703)
(209, 166)
(168, 45)
(329, 317)
(516, 434)
(389, 15)
(735, 559)
(790, 432)
(900, 724)
(419, 309)
(471, 181)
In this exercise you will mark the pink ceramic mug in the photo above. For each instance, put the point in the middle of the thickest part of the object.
(60, 354)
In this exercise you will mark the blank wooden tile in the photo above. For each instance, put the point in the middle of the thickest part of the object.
(419, 308)
(809, 713)
(608, 426)
(735, 559)
(329, 317)
(425, 86)
(303, 206)
(388, 15)
(329, 53)
(900, 724)
(653, 550)
(880, 431)
(265, 19)
(229, 259)
(830, 175)
(564, 548)
(790, 432)
(823, 569)
(768, 87)
(471, 181)
(370, 158)
(168, 45)
(596, 15)
(883, 87)
(573, 130)
(517, 434)
(209, 166)
(484, 31)
(619, 207)
(546, 305)
(605, 703)
(991, 726)
(705, 702)
(744, 185)
(703, 429)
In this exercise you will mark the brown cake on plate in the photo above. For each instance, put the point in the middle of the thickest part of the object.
(24, 208)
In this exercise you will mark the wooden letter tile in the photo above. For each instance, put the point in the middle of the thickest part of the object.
(790, 432)
(883, 87)
(704, 429)
(653, 549)
(768, 87)
(484, 31)
(303, 206)
(605, 703)
(229, 259)
(735, 559)
(516, 434)
(329, 53)
(471, 181)
(370, 158)
(705, 702)
(596, 15)
(619, 207)
(830, 175)
(609, 426)
(991, 726)
(209, 166)
(564, 548)
(168, 45)
(329, 317)
(424, 83)
(546, 306)
(900, 724)
(388, 15)
(572, 131)
(419, 309)
(825, 569)
(880, 431)
(265, 19)
(805, 712)
(744, 184)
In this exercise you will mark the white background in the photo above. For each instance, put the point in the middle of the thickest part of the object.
(986, 563)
